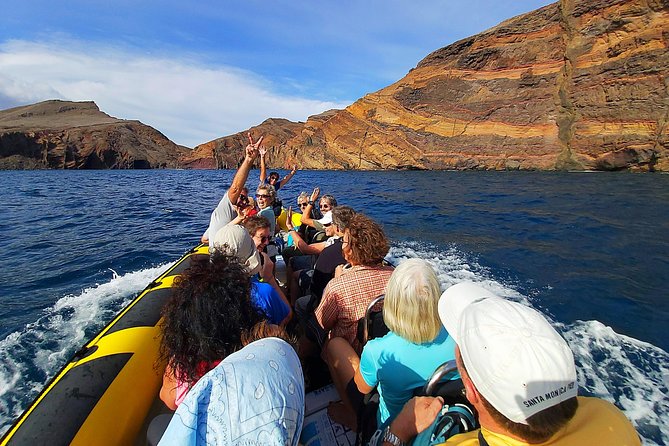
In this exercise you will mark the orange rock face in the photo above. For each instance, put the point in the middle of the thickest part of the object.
(579, 84)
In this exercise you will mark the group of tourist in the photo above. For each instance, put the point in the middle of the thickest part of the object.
(234, 338)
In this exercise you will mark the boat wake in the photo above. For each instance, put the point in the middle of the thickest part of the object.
(630, 373)
(31, 357)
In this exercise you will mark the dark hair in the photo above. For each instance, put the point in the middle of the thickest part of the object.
(252, 224)
(274, 174)
(341, 215)
(541, 426)
(263, 330)
(368, 244)
(206, 316)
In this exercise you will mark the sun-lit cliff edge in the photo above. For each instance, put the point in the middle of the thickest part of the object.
(576, 85)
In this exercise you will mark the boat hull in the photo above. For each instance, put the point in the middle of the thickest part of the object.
(103, 394)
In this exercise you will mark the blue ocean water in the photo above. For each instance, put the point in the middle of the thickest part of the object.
(591, 250)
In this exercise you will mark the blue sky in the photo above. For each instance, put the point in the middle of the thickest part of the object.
(203, 69)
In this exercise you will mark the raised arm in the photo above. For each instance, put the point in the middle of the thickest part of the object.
(242, 174)
(306, 219)
(263, 167)
(304, 247)
(287, 178)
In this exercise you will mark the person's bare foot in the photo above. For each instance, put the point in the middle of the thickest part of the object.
(339, 413)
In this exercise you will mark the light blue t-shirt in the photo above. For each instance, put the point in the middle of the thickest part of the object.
(399, 366)
(253, 397)
(268, 213)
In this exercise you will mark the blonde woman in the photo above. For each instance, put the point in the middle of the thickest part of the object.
(402, 360)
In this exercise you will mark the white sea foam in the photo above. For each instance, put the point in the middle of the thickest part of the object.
(453, 267)
(631, 373)
(30, 357)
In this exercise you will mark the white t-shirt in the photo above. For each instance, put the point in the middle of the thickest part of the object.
(221, 216)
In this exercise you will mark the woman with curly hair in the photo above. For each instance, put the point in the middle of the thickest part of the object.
(346, 297)
(204, 322)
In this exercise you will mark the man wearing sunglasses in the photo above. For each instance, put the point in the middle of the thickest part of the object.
(225, 211)
(273, 179)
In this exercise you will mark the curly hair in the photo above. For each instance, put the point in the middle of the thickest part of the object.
(207, 315)
(367, 243)
(252, 224)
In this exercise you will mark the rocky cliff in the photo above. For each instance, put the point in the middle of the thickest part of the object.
(77, 135)
(578, 84)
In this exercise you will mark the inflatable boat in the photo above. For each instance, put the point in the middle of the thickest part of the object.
(108, 393)
(104, 395)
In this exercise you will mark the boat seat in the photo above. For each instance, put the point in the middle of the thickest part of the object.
(451, 390)
(372, 325)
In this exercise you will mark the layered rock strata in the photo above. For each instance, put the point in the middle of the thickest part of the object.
(77, 135)
(578, 84)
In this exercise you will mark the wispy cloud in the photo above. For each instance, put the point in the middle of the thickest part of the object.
(187, 99)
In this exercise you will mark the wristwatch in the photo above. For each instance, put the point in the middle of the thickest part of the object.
(392, 438)
(310, 203)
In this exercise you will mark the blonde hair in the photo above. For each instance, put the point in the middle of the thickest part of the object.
(412, 297)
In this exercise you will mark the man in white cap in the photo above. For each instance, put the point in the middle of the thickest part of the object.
(266, 296)
(519, 374)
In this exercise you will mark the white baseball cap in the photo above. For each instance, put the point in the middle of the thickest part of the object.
(326, 220)
(237, 241)
(514, 357)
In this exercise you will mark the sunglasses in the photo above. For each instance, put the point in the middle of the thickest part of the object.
(262, 196)
(243, 198)
(327, 225)
(325, 206)
(264, 239)
(303, 205)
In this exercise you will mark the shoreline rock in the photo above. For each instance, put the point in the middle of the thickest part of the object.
(77, 135)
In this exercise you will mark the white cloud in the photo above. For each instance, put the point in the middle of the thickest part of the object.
(183, 97)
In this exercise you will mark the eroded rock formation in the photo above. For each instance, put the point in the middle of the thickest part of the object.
(579, 84)
(77, 135)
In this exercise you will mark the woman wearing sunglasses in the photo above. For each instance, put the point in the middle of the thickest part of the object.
(265, 195)
(326, 204)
